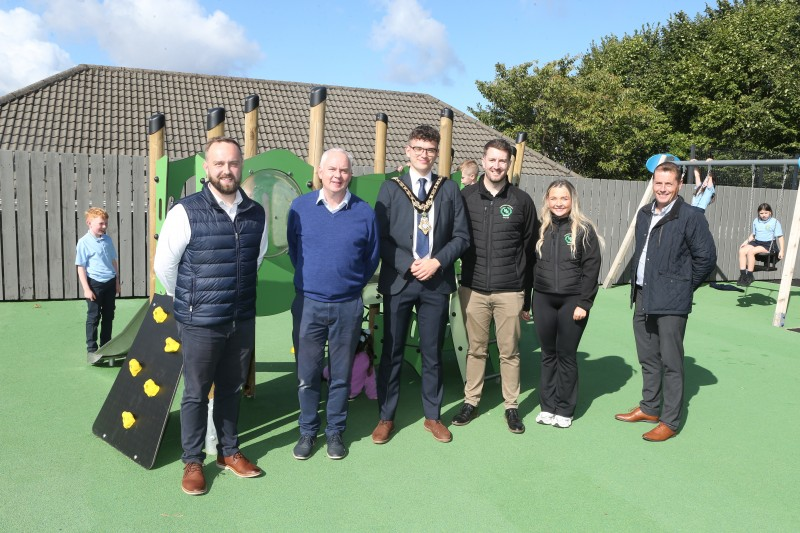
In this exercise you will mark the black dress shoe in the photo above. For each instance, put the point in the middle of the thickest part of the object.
(465, 415)
(515, 425)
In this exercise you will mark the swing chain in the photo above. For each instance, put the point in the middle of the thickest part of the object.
(783, 186)
(752, 186)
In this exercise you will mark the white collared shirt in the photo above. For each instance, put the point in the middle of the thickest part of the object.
(175, 235)
(415, 177)
(336, 208)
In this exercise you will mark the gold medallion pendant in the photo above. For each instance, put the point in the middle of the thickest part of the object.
(424, 223)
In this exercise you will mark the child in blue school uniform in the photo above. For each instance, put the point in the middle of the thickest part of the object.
(766, 238)
(98, 273)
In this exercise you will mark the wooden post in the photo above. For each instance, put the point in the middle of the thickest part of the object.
(629, 235)
(251, 126)
(381, 125)
(511, 162)
(316, 130)
(446, 143)
(522, 138)
(215, 123)
(156, 150)
(251, 149)
(789, 258)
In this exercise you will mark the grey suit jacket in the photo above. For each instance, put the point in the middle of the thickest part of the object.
(395, 216)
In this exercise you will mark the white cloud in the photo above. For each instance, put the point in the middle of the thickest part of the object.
(25, 55)
(159, 34)
(416, 45)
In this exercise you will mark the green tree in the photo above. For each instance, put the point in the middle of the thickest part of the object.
(727, 77)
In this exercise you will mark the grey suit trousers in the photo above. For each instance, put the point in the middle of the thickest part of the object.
(659, 345)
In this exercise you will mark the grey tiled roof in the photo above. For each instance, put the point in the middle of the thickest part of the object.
(97, 109)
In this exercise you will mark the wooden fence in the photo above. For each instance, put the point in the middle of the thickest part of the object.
(43, 197)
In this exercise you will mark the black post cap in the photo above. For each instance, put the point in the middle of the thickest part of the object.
(318, 95)
(215, 117)
(251, 103)
(446, 113)
(382, 117)
(155, 123)
(522, 137)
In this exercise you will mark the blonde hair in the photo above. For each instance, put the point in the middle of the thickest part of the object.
(469, 164)
(579, 221)
(96, 212)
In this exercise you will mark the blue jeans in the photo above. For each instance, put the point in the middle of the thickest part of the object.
(100, 311)
(315, 323)
(219, 355)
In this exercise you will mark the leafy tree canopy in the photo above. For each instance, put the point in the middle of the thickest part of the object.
(728, 77)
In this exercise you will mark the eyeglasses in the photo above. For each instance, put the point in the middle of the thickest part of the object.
(419, 150)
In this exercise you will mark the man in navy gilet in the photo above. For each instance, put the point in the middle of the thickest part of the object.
(209, 251)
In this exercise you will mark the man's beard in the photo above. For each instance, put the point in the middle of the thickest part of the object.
(226, 188)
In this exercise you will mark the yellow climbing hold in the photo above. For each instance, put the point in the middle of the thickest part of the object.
(171, 345)
(159, 315)
(150, 388)
(127, 419)
(134, 366)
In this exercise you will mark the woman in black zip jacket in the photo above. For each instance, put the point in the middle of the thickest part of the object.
(565, 284)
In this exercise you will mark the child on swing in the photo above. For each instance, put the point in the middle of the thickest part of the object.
(766, 238)
(704, 189)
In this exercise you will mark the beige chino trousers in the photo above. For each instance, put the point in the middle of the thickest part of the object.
(479, 309)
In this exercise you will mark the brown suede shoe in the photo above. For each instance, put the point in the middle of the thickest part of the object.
(194, 482)
(660, 433)
(382, 432)
(440, 433)
(636, 415)
(239, 465)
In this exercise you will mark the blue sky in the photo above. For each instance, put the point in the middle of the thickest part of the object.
(436, 47)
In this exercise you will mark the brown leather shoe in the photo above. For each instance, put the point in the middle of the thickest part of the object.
(239, 465)
(194, 482)
(440, 433)
(382, 432)
(660, 433)
(636, 415)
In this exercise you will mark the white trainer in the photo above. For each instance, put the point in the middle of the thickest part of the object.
(545, 418)
(562, 421)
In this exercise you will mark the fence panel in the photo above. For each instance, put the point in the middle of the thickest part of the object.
(125, 222)
(55, 245)
(71, 223)
(140, 253)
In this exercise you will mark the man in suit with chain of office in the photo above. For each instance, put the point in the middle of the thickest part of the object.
(423, 231)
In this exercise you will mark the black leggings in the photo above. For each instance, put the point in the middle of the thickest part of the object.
(559, 335)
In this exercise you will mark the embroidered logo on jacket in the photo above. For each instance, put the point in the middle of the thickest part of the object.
(568, 238)
(506, 210)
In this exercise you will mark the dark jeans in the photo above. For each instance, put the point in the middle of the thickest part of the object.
(559, 335)
(219, 355)
(100, 312)
(315, 323)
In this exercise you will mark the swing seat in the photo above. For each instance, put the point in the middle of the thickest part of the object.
(768, 262)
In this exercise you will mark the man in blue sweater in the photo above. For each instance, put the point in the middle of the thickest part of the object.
(333, 245)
